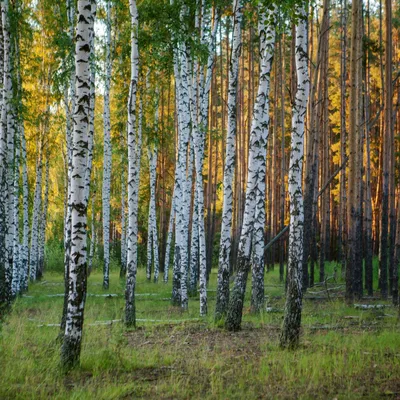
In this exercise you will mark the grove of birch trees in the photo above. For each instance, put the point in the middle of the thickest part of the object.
(196, 139)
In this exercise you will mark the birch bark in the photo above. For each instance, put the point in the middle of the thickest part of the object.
(255, 189)
(229, 169)
(107, 160)
(37, 203)
(133, 172)
(77, 277)
(292, 319)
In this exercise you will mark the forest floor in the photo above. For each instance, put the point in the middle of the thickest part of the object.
(345, 353)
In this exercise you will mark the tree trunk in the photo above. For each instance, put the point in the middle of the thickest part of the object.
(134, 148)
(107, 159)
(354, 132)
(290, 335)
(229, 168)
(78, 261)
(255, 190)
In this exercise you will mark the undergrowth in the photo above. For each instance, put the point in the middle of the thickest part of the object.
(345, 353)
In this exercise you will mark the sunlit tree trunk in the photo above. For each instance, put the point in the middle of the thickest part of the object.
(69, 100)
(353, 200)
(199, 127)
(107, 160)
(36, 215)
(169, 238)
(24, 248)
(43, 219)
(77, 276)
(182, 175)
(123, 225)
(229, 168)
(16, 273)
(152, 242)
(133, 172)
(343, 139)
(92, 238)
(25, 204)
(385, 238)
(292, 318)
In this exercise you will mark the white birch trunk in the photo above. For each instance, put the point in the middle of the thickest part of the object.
(169, 238)
(182, 205)
(123, 220)
(92, 238)
(69, 100)
(152, 244)
(208, 38)
(133, 172)
(37, 204)
(24, 248)
(107, 160)
(78, 262)
(8, 129)
(292, 319)
(16, 273)
(256, 170)
(25, 202)
(3, 187)
(194, 246)
(225, 241)
(43, 220)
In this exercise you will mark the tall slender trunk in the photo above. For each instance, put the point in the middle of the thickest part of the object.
(182, 175)
(92, 238)
(69, 100)
(255, 190)
(35, 227)
(169, 238)
(123, 220)
(152, 243)
(16, 273)
(389, 220)
(229, 167)
(8, 138)
(77, 276)
(292, 319)
(107, 159)
(343, 139)
(368, 203)
(43, 219)
(134, 144)
(353, 200)
(3, 187)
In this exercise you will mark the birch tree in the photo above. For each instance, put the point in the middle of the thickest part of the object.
(36, 215)
(43, 219)
(3, 191)
(183, 170)
(199, 127)
(225, 241)
(255, 190)
(69, 103)
(134, 144)
(7, 150)
(107, 160)
(292, 318)
(152, 233)
(77, 276)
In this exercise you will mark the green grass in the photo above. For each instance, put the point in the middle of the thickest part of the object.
(345, 353)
